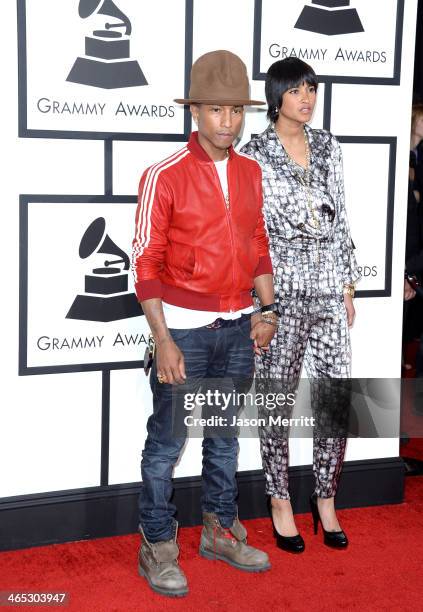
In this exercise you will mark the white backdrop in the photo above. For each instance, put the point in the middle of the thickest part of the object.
(52, 421)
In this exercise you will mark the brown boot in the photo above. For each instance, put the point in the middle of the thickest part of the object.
(230, 545)
(158, 564)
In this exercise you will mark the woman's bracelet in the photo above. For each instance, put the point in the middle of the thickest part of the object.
(349, 289)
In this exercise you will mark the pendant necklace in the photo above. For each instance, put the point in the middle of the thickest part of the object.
(305, 181)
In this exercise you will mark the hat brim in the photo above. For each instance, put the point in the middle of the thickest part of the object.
(220, 102)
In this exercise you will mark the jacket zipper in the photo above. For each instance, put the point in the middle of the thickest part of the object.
(228, 219)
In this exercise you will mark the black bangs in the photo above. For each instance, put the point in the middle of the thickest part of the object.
(283, 75)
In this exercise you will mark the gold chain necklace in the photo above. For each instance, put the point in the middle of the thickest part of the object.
(306, 180)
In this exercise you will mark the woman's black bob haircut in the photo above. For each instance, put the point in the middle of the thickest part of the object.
(283, 75)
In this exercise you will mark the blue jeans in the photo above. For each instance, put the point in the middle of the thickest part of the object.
(225, 352)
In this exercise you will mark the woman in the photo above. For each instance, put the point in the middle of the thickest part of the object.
(315, 273)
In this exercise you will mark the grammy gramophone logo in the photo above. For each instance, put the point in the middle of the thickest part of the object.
(330, 17)
(106, 296)
(107, 62)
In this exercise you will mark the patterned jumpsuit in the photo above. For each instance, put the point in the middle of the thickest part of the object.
(311, 264)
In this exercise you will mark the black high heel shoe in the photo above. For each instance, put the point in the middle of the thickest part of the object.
(334, 539)
(292, 544)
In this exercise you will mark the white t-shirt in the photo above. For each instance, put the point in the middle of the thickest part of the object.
(222, 171)
(185, 318)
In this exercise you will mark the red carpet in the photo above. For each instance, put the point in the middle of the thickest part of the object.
(381, 570)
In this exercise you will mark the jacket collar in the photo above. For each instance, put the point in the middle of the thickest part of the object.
(275, 148)
(198, 151)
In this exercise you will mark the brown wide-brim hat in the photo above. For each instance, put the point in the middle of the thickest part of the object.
(219, 77)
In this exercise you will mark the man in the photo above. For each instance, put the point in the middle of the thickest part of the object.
(199, 249)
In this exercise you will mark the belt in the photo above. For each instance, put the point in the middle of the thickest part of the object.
(218, 323)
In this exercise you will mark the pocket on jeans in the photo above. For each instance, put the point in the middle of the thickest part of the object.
(245, 329)
(179, 334)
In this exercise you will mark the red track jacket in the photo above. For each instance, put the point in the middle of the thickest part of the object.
(190, 249)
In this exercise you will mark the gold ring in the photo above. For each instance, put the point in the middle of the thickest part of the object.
(161, 378)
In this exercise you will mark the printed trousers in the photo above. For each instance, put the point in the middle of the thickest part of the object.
(313, 330)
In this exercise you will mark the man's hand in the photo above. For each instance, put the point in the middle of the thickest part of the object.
(261, 333)
(349, 307)
(409, 292)
(169, 359)
(170, 362)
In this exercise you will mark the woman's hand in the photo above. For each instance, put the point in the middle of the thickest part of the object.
(349, 307)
